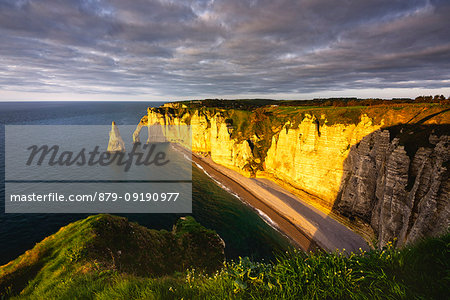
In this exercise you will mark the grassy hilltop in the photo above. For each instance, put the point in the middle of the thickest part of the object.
(107, 257)
(89, 255)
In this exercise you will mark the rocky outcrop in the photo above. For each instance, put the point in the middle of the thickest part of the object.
(116, 143)
(136, 134)
(366, 164)
(402, 195)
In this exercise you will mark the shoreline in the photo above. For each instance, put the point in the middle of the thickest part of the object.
(280, 223)
(307, 227)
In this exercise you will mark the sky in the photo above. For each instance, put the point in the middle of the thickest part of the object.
(172, 50)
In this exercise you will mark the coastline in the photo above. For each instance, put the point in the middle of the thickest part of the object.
(306, 226)
(281, 223)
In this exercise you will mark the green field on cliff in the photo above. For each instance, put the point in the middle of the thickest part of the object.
(107, 257)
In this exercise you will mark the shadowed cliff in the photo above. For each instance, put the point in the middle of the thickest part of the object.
(397, 180)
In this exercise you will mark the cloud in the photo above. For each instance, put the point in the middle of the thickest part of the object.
(234, 47)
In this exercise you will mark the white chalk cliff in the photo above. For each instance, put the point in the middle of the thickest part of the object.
(387, 166)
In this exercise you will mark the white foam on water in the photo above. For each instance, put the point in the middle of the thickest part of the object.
(182, 152)
(218, 182)
(267, 219)
(263, 215)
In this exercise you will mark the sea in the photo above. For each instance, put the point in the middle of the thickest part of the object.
(246, 232)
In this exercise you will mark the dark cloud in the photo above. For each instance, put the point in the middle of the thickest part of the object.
(233, 47)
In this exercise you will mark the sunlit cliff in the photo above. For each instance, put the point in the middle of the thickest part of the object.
(384, 165)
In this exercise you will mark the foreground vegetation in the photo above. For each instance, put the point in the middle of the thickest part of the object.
(65, 266)
(85, 256)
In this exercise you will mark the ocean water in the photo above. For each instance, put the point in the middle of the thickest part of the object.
(244, 231)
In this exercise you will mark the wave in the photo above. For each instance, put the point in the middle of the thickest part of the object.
(267, 219)
(182, 152)
(218, 182)
(263, 215)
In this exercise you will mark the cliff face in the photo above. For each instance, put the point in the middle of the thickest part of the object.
(402, 193)
(311, 157)
(359, 162)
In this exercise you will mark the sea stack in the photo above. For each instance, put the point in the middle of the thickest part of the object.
(136, 139)
(116, 143)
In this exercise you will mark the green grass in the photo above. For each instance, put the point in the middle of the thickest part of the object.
(419, 272)
(63, 267)
(91, 252)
